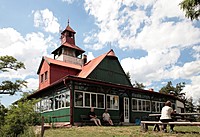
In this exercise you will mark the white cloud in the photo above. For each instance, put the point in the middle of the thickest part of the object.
(155, 26)
(28, 49)
(196, 53)
(90, 56)
(151, 67)
(192, 90)
(46, 20)
(32, 84)
(68, 1)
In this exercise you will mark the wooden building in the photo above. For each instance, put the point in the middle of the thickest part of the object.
(69, 86)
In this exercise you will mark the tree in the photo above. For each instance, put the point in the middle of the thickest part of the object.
(139, 85)
(10, 63)
(3, 112)
(189, 106)
(198, 105)
(170, 89)
(20, 117)
(191, 8)
(128, 75)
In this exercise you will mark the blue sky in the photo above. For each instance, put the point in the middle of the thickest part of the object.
(152, 39)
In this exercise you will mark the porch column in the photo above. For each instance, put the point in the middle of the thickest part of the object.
(72, 103)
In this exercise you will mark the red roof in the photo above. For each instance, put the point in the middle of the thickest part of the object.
(58, 62)
(91, 65)
(70, 29)
(72, 46)
(66, 44)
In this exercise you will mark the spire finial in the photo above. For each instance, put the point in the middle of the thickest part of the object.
(68, 22)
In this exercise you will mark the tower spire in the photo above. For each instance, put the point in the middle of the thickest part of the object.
(68, 22)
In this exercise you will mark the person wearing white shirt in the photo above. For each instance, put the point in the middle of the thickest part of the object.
(106, 117)
(166, 116)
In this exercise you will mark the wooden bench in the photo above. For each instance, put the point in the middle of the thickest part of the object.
(86, 121)
(145, 124)
(116, 120)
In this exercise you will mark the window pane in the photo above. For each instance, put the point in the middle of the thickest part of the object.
(42, 77)
(78, 99)
(67, 102)
(147, 105)
(94, 100)
(63, 100)
(134, 104)
(154, 106)
(158, 107)
(87, 99)
(46, 75)
(161, 106)
(56, 102)
(100, 99)
(140, 104)
(108, 102)
(115, 102)
(144, 105)
(50, 103)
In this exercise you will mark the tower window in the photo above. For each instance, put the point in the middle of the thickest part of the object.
(46, 75)
(42, 78)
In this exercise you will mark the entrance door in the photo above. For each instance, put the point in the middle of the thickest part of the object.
(126, 109)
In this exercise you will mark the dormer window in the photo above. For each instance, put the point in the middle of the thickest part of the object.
(46, 75)
(42, 78)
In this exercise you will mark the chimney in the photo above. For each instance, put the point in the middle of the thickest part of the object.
(84, 59)
(151, 89)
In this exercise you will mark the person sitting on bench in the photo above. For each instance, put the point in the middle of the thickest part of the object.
(106, 117)
(93, 117)
(166, 116)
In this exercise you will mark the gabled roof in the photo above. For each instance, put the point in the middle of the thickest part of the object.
(66, 44)
(59, 63)
(69, 29)
(91, 65)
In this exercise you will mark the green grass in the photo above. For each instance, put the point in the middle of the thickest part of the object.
(120, 131)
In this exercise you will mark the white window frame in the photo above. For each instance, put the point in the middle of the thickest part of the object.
(90, 93)
(47, 103)
(142, 101)
(112, 106)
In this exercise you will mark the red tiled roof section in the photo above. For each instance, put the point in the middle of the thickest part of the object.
(91, 65)
(61, 63)
(72, 46)
(70, 29)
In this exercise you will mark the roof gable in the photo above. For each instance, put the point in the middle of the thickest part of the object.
(91, 65)
(57, 62)
(105, 68)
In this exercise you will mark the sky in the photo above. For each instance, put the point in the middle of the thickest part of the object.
(152, 39)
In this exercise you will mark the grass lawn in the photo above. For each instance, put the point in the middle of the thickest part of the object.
(120, 131)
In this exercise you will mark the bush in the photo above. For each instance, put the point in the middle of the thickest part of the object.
(19, 118)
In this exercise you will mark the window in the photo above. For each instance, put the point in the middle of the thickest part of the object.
(42, 78)
(134, 104)
(46, 75)
(140, 105)
(157, 106)
(112, 102)
(67, 103)
(78, 98)
(100, 101)
(148, 105)
(61, 100)
(87, 99)
(153, 108)
(94, 100)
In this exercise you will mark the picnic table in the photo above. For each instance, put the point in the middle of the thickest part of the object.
(185, 117)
